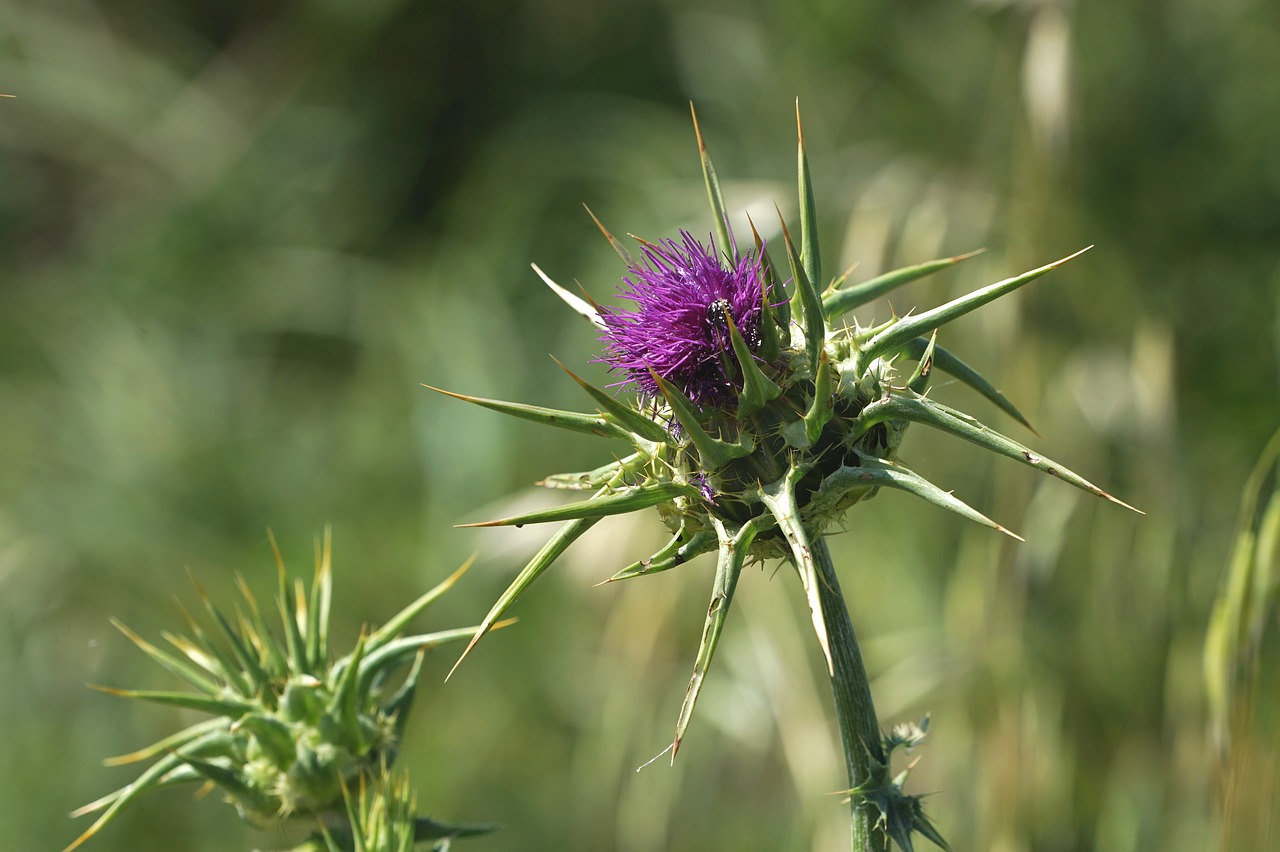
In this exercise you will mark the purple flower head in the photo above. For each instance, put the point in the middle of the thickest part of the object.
(684, 298)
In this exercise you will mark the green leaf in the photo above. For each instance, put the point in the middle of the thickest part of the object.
(626, 416)
(154, 777)
(822, 407)
(344, 705)
(713, 453)
(904, 329)
(429, 829)
(589, 424)
(805, 303)
(275, 661)
(388, 631)
(919, 380)
(603, 504)
(842, 301)
(171, 742)
(204, 704)
(396, 653)
(287, 604)
(920, 409)
(398, 706)
(779, 498)
(170, 662)
(808, 213)
(733, 554)
(757, 389)
(874, 472)
(550, 551)
(274, 736)
(675, 553)
(718, 215)
(781, 312)
(321, 604)
(948, 363)
(229, 667)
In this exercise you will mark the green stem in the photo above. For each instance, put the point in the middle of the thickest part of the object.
(855, 711)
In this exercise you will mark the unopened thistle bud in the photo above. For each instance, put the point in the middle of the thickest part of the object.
(290, 729)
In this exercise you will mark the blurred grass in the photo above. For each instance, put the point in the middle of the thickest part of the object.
(237, 237)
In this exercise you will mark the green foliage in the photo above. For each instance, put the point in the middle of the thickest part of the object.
(292, 728)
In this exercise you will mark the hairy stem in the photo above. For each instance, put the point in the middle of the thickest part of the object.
(855, 711)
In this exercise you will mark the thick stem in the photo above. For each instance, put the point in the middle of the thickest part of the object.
(855, 711)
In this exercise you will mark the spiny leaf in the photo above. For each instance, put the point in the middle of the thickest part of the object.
(805, 302)
(344, 706)
(779, 498)
(842, 301)
(757, 389)
(713, 190)
(626, 416)
(393, 654)
(950, 364)
(267, 645)
(288, 607)
(920, 377)
(321, 603)
(873, 472)
(204, 704)
(227, 780)
(822, 407)
(152, 778)
(170, 742)
(733, 554)
(230, 667)
(589, 480)
(590, 424)
(170, 662)
(773, 288)
(808, 212)
(676, 552)
(388, 631)
(550, 551)
(713, 453)
(920, 409)
(898, 333)
(606, 503)
(398, 706)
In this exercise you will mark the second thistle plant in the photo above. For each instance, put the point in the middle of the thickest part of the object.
(291, 731)
(759, 418)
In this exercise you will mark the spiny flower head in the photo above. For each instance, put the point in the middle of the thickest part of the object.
(290, 729)
(685, 298)
(761, 417)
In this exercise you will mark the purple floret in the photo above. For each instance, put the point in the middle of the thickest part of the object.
(679, 328)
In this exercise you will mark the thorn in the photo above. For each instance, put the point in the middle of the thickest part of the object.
(702, 146)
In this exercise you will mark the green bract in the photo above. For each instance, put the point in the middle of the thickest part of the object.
(817, 413)
(291, 729)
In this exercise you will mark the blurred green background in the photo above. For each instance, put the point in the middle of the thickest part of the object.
(237, 236)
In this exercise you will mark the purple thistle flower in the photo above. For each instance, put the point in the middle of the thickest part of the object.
(684, 300)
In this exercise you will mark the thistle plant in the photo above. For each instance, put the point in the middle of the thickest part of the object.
(759, 416)
(291, 731)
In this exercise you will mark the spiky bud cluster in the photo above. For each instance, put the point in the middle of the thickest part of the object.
(760, 416)
(291, 730)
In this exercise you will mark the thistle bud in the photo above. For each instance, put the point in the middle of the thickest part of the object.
(290, 729)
